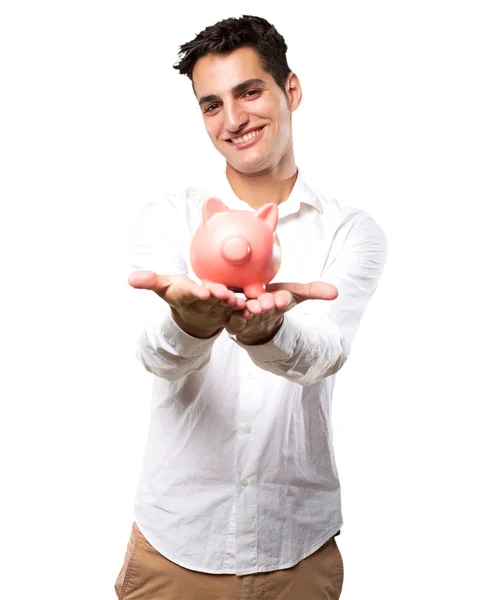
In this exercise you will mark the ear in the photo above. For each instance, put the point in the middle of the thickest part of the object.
(295, 94)
(211, 207)
(269, 214)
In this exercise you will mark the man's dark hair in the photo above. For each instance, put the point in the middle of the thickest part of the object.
(229, 35)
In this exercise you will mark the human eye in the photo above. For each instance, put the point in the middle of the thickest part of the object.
(252, 93)
(211, 107)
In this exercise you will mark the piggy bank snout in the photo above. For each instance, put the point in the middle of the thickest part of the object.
(236, 249)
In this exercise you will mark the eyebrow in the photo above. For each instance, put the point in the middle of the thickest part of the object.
(237, 88)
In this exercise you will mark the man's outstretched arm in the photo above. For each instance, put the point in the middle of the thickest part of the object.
(179, 338)
(314, 340)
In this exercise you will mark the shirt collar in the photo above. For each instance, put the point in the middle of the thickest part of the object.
(300, 194)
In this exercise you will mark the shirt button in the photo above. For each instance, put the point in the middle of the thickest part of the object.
(244, 483)
(248, 428)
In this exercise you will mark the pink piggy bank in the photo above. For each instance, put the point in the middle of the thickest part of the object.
(238, 248)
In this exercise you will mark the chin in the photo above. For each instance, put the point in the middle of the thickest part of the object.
(248, 169)
(252, 165)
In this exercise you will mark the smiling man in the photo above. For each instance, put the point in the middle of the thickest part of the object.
(239, 495)
(248, 118)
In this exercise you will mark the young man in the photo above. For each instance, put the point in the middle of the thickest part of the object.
(239, 494)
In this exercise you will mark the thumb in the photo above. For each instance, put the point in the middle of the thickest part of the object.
(171, 288)
(315, 290)
(149, 280)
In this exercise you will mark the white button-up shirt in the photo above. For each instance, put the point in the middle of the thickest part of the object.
(239, 474)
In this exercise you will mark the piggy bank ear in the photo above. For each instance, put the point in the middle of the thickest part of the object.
(269, 214)
(211, 207)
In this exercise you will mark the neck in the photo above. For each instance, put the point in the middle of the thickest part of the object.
(260, 188)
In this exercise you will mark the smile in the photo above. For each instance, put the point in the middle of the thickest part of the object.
(247, 139)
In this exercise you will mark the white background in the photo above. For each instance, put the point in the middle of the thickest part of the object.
(94, 123)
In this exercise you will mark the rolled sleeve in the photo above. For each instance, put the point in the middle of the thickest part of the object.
(167, 351)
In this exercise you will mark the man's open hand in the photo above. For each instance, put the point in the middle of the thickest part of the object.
(262, 317)
(200, 310)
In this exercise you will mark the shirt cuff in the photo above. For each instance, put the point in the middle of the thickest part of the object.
(281, 347)
(182, 343)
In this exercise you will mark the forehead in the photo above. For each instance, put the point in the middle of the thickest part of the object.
(219, 73)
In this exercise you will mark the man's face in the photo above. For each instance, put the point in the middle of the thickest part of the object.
(246, 114)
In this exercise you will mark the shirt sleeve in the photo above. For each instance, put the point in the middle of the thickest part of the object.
(159, 241)
(316, 336)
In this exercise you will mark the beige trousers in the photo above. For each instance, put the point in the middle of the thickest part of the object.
(148, 575)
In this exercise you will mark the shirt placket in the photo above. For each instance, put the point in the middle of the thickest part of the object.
(246, 471)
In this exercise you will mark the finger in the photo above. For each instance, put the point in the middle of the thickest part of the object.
(284, 300)
(234, 301)
(220, 294)
(194, 292)
(219, 291)
(266, 301)
(315, 290)
(224, 296)
(254, 306)
(238, 302)
(244, 314)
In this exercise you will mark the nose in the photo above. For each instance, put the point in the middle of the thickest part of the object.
(235, 117)
(236, 250)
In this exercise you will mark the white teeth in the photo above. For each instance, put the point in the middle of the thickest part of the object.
(245, 138)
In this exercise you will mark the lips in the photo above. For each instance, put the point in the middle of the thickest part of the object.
(240, 142)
